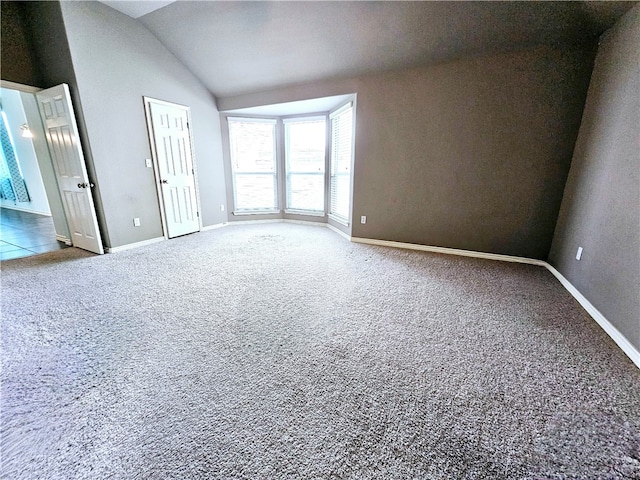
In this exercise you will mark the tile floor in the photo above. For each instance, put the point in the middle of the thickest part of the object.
(23, 234)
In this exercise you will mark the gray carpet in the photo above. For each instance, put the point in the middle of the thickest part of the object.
(283, 351)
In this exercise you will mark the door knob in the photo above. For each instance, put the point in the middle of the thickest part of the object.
(164, 181)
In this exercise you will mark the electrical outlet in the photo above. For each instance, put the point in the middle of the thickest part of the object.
(147, 162)
(222, 207)
(579, 253)
(363, 219)
(136, 222)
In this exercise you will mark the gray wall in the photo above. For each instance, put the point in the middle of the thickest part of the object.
(16, 54)
(601, 205)
(470, 154)
(117, 62)
(42, 32)
(33, 32)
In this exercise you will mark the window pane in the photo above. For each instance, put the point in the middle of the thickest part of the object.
(255, 192)
(305, 164)
(253, 164)
(341, 156)
(305, 192)
(252, 146)
(340, 195)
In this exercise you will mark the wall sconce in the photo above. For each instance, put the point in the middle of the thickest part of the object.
(26, 133)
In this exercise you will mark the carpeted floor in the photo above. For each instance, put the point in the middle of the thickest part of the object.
(283, 351)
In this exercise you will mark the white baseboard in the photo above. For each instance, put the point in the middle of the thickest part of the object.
(129, 246)
(23, 209)
(63, 239)
(449, 251)
(214, 226)
(625, 345)
(605, 324)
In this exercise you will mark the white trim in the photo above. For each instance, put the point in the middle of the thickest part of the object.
(254, 212)
(304, 119)
(338, 231)
(605, 324)
(214, 226)
(63, 239)
(19, 86)
(271, 121)
(341, 109)
(309, 213)
(165, 103)
(339, 220)
(449, 251)
(129, 246)
(627, 347)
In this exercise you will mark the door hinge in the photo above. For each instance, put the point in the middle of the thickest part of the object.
(198, 214)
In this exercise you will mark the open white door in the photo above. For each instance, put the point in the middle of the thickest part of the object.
(168, 126)
(63, 139)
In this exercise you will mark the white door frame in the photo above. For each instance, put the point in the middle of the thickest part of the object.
(154, 155)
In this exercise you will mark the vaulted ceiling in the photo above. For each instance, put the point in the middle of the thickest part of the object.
(240, 47)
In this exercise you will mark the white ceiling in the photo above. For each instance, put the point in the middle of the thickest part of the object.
(243, 46)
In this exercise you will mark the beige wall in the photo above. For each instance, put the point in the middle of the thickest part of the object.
(601, 206)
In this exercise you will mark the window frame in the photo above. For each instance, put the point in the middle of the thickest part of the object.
(276, 164)
(350, 105)
(285, 162)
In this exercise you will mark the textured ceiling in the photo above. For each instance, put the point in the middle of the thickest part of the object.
(241, 47)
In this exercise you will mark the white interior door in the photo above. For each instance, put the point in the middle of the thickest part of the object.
(169, 133)
(63, 140)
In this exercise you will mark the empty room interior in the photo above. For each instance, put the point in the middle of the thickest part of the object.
(320, 239)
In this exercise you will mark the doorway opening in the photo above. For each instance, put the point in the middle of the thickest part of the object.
(47, 201)
(31, 216)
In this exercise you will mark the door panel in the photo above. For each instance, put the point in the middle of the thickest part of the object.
(169, 132)
(63, 140)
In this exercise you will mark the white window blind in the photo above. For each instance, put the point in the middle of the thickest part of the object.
(305, 143)
(253, 164)
(340, 160)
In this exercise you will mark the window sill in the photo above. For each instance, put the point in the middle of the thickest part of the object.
(257, 212)
(339, 220)
(303, 212)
